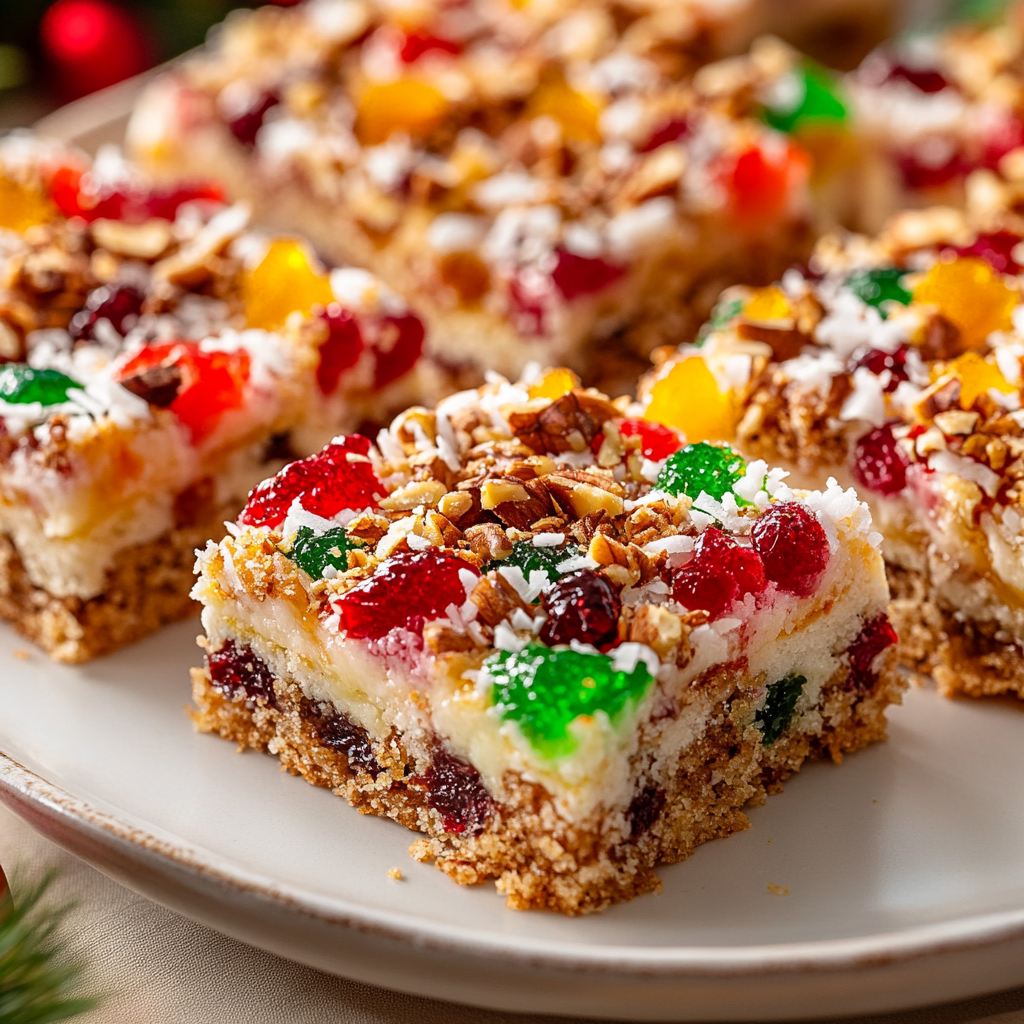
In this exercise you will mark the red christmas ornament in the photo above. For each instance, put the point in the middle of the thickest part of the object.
(92, 44)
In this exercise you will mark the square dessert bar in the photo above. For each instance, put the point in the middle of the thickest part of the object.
(157, 360)
(542, 633)
(544, 186)
(893, 363)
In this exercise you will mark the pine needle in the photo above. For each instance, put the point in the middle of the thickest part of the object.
(34, 988)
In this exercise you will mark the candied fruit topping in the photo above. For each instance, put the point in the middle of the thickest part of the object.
(399, 344)
(285, 280)
(406, 591)
(813, 100)
(208, 384)
(576, 275)
(879, 286)
(554, 384)
(120, 306)
(878, 462)
(416, 44)
(340, 350)
(22, 207)
(879, 361)
(766, 305)
(314, 552)
(688, 398)
(406, 105)
(582, 606)
(577, 113)
(971, 295)
(339, 477)
(996, 249)
(21, 384)
(528, 558)
(245, 126)
(977, 377)
(456, 791)
(657, 442)
(793, 547)
(924, 79)
(876, 635)
(719, 574)
(545, 690)
(672, 129)
(702, 468)
(779, 707)
(235, 670)
(761, 180)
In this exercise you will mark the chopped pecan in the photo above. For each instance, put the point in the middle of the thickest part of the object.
(368, 527)
(941, 339)
(159, 385)
(569, 423)
(442, 638)
(496, 598)
(523, 513)
(659, 629)
(412, 495)
(488, 540)
(455, 504)
(584, 497)
(785, 343)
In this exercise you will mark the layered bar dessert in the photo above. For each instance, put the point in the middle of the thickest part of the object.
(545, 634)
(540, 188)
(158, 358)
(892, 363)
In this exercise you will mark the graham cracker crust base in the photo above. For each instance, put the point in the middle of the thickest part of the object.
(537, 858)
(146, 587)
(969, 658)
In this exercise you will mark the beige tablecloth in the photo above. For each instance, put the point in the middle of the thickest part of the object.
(163, 969)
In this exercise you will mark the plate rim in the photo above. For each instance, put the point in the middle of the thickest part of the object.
(19, 785)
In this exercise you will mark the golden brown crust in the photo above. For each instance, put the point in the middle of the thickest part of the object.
(536, 858)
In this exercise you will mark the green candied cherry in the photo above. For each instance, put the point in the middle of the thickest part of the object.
(779, 705)
(313, 552)
(529, 558)
(879, 286)
(21, 384)
(814, 100)
(544, 689)
(712, 468)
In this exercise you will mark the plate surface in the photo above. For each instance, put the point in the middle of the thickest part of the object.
(894, 880)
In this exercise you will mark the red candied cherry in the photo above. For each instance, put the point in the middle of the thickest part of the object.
(719, 574)
(878, 361)
(581, 606)
(337, 478)
(405, 591)
(657, 442)
(879, 463)
(120, 305)
(1006, 136)
(672, 129)
(876, 635)
(341, 349)
(793, 547)
(760, 180)
(418, 44)
(397, 345)
(234, 669)
(197, 386)
(995, 248)
(576, 275)
(928, 80)
(246, 124)
(918, 174)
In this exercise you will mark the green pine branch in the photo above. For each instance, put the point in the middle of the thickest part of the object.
(34, 988)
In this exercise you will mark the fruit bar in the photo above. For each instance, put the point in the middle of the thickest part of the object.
(544, 187)
(894, 364)
(545, 634)
(157, 359)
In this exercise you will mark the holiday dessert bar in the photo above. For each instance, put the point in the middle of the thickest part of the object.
(542, 184)
(546, 634)
(893, 363)
(157, 359)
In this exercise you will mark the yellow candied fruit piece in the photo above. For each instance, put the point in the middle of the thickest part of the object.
(22, 208)
(286, 279)
(576, 112)
(554, 384)
(688, 398)
(406, 105)
(767, 304)
(971, 295)
(977, 377)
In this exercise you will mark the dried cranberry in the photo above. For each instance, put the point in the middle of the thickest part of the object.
(398, 344)
(645, 810)
(928, 80)
(581, 606)
(878, 361)
(341, 349)
(234, 669)
(793, 547)
(576, 275)
(416, 44)
(996, 249)
(246, 125)
(878, 462)
(456, 791)
(719, 574)
(336, 731)
(327, 483)
(405, 591)
(670, 130)
(121, 306)
(876, 635)
(917, 174)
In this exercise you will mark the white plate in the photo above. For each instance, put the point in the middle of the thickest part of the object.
(904, 867)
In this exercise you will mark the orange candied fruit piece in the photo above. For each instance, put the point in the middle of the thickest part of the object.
(575, 111)
(405, 105)
(22, 208)
(554, 384)
(977, 377)
(286, 279)
(971, 295)
(766, 305)
(762, 179)
(688, 398)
